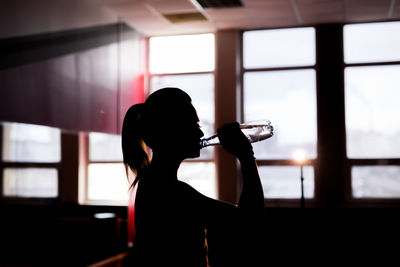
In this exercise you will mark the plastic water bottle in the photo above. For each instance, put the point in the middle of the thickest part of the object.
(254, 131)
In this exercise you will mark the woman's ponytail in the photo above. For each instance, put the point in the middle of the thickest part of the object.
(134, 152)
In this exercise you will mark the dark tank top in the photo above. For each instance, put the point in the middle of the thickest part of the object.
(168, 226)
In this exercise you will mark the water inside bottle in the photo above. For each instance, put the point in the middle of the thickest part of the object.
(254, 131)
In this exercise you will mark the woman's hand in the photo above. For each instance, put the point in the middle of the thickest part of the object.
(234, 141)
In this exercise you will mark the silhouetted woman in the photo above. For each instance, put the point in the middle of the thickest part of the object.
(170, 215)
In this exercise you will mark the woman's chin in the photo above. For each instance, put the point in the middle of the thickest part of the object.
(193, 154)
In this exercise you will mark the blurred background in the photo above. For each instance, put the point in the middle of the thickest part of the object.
(326, 73)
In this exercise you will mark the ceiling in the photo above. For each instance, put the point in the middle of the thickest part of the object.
(148, 16)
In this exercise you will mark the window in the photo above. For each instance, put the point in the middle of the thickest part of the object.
(106, 178)
(30, 182)
(30, 160)
(287, 98)
(372, 76)
(376, 181)
(182, 54)
(279, 84)
(187, 62)
(279, 48)
(371, 42)
(372, 108)
(284, 181)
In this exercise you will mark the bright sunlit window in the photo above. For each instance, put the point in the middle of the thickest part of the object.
(279, 84)
(284, 181)
(200, 175)
(30, 182)
(372, 107)
(288, 99)
(376, 181)
(105, 147)
(372, 111)
(106, 179)
(30, 158)
(31, 143)
(173, 59)
(372, 42)
(107, 182)
(279, 48)
(181, 54)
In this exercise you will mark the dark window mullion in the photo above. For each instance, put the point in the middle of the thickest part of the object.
(104, 162)
(30, 165)
(283, 162)
(378, 162)
(332, 178)
(280, 68)
(179, 73)
(366, 64)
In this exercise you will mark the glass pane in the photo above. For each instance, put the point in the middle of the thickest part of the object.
(279, 48)
(200, 87)
(107, 181)
(105, 147)
(200, 175)
(31, 143)
(285, 181)
(184, 53)
(375, 181)
(288, 100)
(372, 106)
(371, 42)
(30, 182)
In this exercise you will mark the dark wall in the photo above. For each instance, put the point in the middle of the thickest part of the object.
(82, 79)
(60, 235)
(25, 17)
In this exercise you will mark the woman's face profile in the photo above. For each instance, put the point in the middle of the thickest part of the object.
(188, 133)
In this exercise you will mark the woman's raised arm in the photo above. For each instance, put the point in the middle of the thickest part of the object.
(235, 142)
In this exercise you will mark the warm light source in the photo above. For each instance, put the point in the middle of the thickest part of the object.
(299, 156)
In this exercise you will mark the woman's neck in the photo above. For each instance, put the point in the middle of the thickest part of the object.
(165, 164)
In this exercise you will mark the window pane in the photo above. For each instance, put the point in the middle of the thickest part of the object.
(372, 106)
(104, 147)
(285, 181)
(31, 143)
(184, 53)
(371, 42)
(200, 87)
(107, 181)
(288, 100)
(376, 181)
(279, 48)
(30, 182)
(200, 175)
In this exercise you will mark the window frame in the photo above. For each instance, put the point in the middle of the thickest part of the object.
(26, 164)
(84, 175)
(278, 202)
(364, 162)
